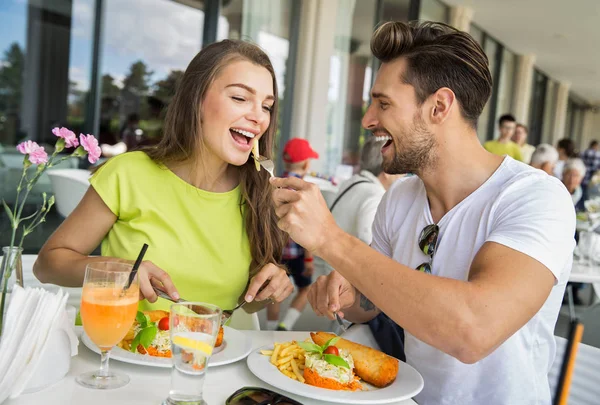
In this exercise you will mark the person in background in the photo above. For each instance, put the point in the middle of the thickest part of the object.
(520, 138)
(566, 150)
(503, 145)
(545, 158)
(297, 155)
(591, 158)
(573, 175)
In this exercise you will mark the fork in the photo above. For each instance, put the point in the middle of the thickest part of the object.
(228, 312)
(266, 164)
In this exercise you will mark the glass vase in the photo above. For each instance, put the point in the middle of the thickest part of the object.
(11, 271)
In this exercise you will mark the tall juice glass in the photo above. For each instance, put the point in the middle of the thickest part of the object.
(194, 329)
(107, 312)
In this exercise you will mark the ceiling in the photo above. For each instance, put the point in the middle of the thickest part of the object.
(564, 36)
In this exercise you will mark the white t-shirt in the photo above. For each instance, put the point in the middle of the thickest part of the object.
(519, 207)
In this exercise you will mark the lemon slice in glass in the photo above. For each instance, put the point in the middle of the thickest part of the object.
(192, 344)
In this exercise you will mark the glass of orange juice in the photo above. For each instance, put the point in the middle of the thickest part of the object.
(108, 310)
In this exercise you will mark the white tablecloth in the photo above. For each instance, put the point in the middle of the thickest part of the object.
(151, 385)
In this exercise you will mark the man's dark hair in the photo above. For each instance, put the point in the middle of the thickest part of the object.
(507, 118)
(437, 56)
(593, 144)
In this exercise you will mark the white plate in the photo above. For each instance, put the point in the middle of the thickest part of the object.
(408, 383)
(236, 346)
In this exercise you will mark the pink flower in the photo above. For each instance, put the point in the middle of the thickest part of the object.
(37, 154)
(68, 135)
(90, 144)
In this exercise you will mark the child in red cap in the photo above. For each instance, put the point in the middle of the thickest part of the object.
(297, 155)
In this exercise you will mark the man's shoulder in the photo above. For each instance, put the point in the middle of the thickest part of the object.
(529, 187)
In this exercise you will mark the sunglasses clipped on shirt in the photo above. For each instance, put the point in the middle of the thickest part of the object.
(428, 244)
(259, 396)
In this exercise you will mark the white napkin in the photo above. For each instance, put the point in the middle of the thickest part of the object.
(33, 316)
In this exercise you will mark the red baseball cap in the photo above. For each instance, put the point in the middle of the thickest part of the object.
(298, 150)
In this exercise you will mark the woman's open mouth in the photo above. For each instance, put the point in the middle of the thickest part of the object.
(242, 137)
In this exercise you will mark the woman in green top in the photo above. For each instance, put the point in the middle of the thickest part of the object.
(196, 198)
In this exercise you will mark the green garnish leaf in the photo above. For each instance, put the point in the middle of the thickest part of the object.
(336, 360)
(135, 342)
(310, 347)
(147, 335)
(330, 342)
(78, 319)
(141, 319)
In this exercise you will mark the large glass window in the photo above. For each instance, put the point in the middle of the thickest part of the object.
(13, 25)
(266, 23)
(349, 76)
(536, 112)
(549, 110)
(476, 33)
(141, 67)
(505, 87)
(486, 123)
(434, 10)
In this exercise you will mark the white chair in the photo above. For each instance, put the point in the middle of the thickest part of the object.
(69, 187)
(585, 389)
(241, 320)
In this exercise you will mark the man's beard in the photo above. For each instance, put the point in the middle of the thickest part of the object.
(415, 150)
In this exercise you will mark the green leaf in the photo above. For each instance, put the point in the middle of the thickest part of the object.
(336, 360)
(141, 319)
(330, 342)
(78, 319)
(135, 342)
(147, 335)
(8, 211)
(310, 347)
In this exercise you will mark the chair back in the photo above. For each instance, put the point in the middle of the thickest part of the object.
(69, 187)
(585, 382)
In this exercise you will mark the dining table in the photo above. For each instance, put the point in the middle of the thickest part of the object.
(150, 385)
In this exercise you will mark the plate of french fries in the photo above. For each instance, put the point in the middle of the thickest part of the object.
(283, 365)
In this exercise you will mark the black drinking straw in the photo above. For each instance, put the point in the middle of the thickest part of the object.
(136, 266)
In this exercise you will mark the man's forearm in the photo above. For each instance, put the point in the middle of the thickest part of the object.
(362, 311)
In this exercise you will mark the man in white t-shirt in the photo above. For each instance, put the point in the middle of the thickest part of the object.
(492, 238)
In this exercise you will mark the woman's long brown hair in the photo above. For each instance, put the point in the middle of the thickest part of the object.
(182, 141)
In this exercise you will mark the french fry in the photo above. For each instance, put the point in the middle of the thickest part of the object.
(284, 360)
(297, 371)
(266, 352)
(275, 353)
(256, 154)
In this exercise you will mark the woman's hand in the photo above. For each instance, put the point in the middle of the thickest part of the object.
(276, 283)
(148, 275)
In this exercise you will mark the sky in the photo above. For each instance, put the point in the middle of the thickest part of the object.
(164, 34)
